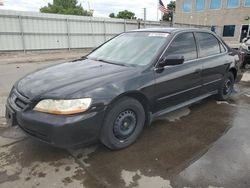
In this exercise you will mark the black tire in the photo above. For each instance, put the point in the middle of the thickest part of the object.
(226, 87)
(123, 123)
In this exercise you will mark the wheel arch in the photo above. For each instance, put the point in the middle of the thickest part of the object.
(139, 97)
(234, 71)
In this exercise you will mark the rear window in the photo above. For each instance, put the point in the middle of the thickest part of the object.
(209, 45)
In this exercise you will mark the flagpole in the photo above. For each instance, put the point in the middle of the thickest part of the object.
(157, 7)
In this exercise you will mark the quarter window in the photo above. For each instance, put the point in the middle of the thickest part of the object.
(222, 48)
(187, 6)
(183, 44)
(228, 30)
(209, 45)
(215, 4)
(247, 3)
(200, 5)
(233, 3)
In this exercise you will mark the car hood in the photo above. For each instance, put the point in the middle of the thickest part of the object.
(68, 78)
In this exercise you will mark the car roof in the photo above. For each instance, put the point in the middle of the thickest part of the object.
(168, 30)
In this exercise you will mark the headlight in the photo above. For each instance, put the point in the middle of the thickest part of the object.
(63, 107)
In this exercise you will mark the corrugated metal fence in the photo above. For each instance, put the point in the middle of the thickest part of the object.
(23, 31)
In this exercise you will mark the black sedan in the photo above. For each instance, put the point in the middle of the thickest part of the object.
(120, 87)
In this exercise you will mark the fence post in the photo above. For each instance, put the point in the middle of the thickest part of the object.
(92, 33)
(68, 34)
(22, 34)
(125, 25)
(105, 30)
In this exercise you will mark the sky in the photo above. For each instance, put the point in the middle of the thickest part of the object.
(102, 8)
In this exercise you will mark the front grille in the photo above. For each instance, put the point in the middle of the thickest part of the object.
(17, 100)
(21, 104)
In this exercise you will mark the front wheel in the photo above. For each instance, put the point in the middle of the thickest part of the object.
(226, 87)
(123, 123)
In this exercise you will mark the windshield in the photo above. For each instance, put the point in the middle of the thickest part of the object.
(135, 48)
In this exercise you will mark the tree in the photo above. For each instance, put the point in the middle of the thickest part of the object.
(124, 15)
(112, 15)
(66, 7)
(171, 7)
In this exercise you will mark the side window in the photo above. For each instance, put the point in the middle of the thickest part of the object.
(215, 4)
(209, 45)
(187, 6)
(228, 30)
(247, 3)
(200, 5)
(183, 44)
(233, 3)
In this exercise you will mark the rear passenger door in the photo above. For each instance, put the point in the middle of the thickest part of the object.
(214, 59)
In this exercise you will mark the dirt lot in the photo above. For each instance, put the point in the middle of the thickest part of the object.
(205, 145)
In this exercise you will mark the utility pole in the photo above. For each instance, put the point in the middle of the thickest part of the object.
(90, 10)
(173, 17)
(157, 11)
(89, 5)
(145, 16)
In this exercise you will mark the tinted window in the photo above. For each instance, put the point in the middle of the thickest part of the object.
(233, 3)
(215, 4)
(228, 30)
(187, 6)
(209, 45)
(183, 44)
(134, 48)
(200, 5)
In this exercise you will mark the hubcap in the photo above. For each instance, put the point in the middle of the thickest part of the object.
(227, 87)
(125, 124)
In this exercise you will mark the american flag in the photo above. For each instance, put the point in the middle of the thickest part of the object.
(162, 8)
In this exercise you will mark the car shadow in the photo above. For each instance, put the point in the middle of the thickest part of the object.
(166, 147)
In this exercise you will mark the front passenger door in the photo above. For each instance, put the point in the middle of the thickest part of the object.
(179, 83)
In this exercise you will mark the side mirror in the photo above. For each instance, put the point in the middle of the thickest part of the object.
(171, 60)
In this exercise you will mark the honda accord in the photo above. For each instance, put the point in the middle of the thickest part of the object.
(121, 86)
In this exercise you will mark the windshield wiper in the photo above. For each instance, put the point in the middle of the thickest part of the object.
(105, 61)
(79, 59)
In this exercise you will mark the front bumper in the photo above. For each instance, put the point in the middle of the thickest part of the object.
(62, 131)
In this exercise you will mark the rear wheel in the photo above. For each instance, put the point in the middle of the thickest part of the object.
(123, 123)
(226, 87)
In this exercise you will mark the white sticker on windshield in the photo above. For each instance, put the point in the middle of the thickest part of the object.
(158, 34)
